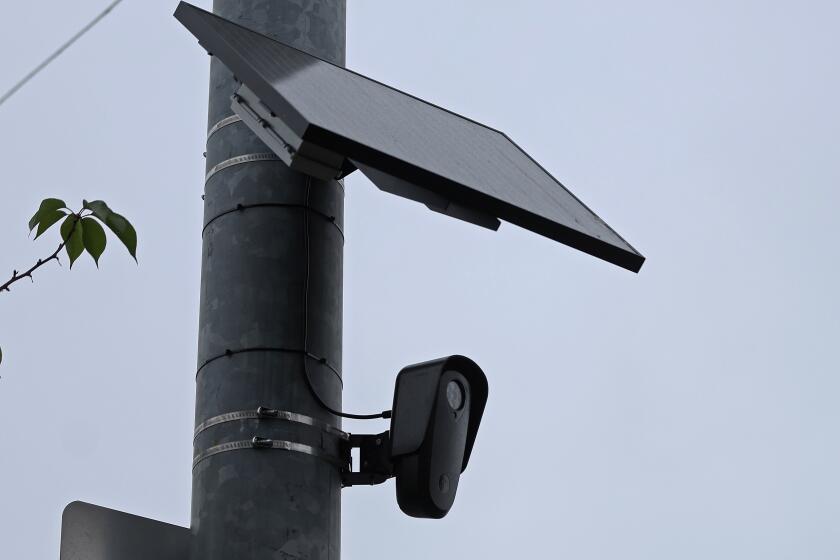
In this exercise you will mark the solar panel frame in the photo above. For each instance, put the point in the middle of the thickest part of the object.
(306, 104)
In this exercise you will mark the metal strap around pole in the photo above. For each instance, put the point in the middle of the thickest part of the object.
(263, 413)
(261, 444)
(238, 160)
(227, 121)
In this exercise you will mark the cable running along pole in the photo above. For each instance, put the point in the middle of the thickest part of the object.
(270, 324)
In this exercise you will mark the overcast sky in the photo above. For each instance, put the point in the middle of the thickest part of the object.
(690, 411)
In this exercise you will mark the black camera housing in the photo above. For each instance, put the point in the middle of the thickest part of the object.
(437, 410)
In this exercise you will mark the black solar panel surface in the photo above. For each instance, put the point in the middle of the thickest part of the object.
(465, 161)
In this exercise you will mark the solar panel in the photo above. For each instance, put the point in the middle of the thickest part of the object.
(327, 121)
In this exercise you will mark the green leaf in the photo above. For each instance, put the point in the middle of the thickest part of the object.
(47, 205)
(124, 231)
(66, 227)
(48, 220)
(99, 209)
(73, 235)
(94, 238)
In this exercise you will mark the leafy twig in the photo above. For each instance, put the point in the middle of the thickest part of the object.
(80, 231)
(28, 274)
(41, 262)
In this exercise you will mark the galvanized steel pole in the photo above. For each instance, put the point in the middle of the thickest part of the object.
(271, 263)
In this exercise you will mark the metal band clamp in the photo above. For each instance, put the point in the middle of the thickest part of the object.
(272, 414)
(238, 160)
(266, 444)
(227, 121)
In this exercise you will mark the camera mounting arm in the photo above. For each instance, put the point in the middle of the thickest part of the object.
(375, 466)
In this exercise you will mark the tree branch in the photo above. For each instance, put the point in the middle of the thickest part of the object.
(41, 262)
(28, 274)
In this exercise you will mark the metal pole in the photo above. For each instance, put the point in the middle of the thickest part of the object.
(271, 263)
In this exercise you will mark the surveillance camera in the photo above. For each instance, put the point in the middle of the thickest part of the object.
(437, 409)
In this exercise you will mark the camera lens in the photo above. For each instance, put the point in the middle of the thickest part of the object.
(455, 395)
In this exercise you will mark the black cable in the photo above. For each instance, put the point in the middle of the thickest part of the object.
(242, 207)
(384, 414)
(229, 353)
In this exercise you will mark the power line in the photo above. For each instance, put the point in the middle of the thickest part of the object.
(60, 50)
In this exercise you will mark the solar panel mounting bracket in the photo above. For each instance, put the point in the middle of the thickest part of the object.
(298, 154)
(433, 201)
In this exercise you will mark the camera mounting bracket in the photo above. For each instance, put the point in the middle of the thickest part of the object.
(375, 465)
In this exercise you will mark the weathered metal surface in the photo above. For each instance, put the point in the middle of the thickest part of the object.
(90, 532)
(259, 504)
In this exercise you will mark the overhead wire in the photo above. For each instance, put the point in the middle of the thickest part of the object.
(37, 70)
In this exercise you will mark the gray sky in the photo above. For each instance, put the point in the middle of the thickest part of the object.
(686, 412)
